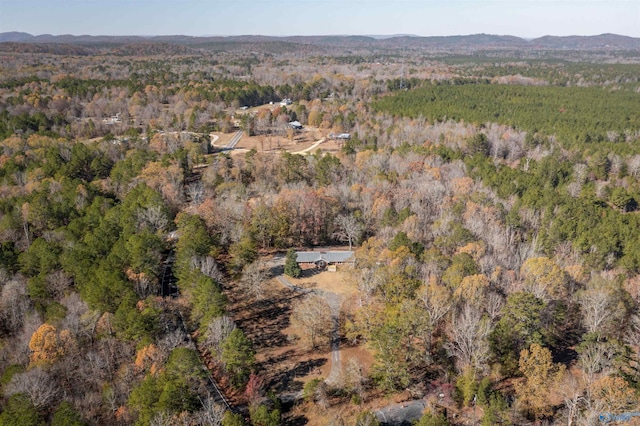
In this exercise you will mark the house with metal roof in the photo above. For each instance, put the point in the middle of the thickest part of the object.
(324, 258)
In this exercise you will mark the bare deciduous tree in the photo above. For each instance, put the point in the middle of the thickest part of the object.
(76, 318)
(350, 228)
(21, 352)
(596, 358)
(468, 338)
(493, 306)
(211, 413)
(216, 332)
(634, 166)
(354, 379)
(436, 300)
(14, 304)
(37, 384)
(321, 395)
(145, 286)
(254, 277)
(172, 340)
(154, 217)
(572, 392)
(162, 419)
(208, 266)
(595, 304)
(195, 191)
(574, 189)
(58, 282)
(367, 281)
(312, 317)
(632, 336)
(5, 276)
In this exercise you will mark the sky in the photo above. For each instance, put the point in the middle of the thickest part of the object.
(523, 18)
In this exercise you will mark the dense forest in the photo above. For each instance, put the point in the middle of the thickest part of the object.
(492, 204)
(573, 115)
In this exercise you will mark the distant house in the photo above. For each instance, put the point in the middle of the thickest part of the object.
(295, 125)
(322, 259)
(113, 120)
(341, 136)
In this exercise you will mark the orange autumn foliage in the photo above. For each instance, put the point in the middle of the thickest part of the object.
(45, 345)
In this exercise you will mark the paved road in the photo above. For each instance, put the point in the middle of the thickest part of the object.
(401, 414)
(234, 141)
(293, 287)
(334, 302)
(336, 366)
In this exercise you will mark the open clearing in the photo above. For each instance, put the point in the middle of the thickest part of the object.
(302, 142)
(283, 363)
(335, 282)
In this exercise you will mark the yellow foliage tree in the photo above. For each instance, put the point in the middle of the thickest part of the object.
(370, 253)
(576, 272)
(472, 289)
(475, 249)
(315, 117)
(541, 378)
(613, 394)
(148, 358)
(544, 278)
(45, 345)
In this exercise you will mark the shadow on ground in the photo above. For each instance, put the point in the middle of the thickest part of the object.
(264, 320)
(283, 380)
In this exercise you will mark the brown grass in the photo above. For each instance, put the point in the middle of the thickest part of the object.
(276, 143)
(282, 362)
(338, 282)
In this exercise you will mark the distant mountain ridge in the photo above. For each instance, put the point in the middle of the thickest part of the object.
(474, 41)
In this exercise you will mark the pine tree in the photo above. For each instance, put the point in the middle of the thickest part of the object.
(238, 357)
(291, 266)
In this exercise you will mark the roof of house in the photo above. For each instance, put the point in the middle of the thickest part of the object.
(327, 256)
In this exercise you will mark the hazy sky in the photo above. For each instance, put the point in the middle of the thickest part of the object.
(524, 18)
